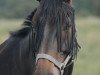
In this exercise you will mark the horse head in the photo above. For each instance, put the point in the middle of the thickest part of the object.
(56, 44)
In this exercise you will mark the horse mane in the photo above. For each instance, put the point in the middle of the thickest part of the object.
(26, 27)
(53, 13)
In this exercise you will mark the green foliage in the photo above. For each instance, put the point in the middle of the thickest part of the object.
(16, 8)
(20, 8)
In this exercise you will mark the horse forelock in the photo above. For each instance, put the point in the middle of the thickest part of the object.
(56, 14)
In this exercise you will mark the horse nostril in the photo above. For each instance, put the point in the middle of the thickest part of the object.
(45, 67)
(49, 73)
(44, 73)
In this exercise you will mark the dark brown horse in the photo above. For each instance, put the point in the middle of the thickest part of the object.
(46, 45)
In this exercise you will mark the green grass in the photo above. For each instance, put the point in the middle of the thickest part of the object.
(7, 26)
(88, 34)
(88, 62)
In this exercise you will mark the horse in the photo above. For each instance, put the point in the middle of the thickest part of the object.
(45, 45)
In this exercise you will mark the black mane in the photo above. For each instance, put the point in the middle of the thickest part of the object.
(55, 14)
(26, 27)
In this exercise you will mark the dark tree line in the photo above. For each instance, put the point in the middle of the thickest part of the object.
(20, 8)
(16, 8)
(87, 7)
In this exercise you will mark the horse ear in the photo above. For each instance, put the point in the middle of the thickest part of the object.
(68, 1)
(71, 2)
(39, 0)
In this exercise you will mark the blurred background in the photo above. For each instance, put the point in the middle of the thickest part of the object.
(13, 12)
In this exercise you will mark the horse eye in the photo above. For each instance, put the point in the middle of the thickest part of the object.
(65, 29)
